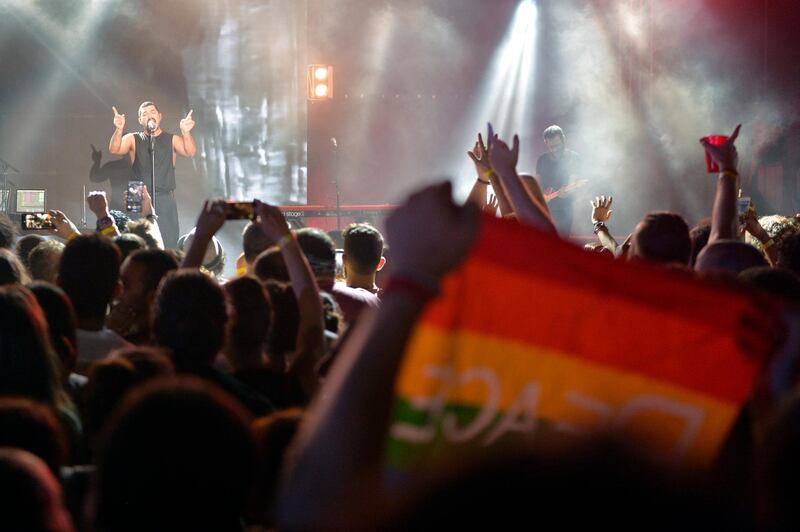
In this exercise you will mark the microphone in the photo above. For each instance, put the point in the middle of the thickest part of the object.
(151, 125)
(334, 143)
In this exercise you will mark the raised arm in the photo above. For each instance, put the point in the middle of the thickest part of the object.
(724, 216)
(601, 213)
(504, 162)
(98, 204)
(209, 221)
(184, 145)
(120, 144)
(486, 177)
(341, 441)
(150, 216)
(309, 346)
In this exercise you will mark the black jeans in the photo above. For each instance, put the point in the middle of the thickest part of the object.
(167, 211)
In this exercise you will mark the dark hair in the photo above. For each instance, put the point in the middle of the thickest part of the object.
(254, 241)
(11, 268)
(157, 263)
(142, 228)
(774, 281)
(61, 320)
(363, 246)
(88, 273)
(128, 243)
(176, 455)
(32, 497)
(190, 316)
(25, 244)
(789, 253)
(8, 232)
(663, 237)
(269, 266)
(553, 132)
(249, 322)
(273, 435)
(699, 236)
(33, 426)
(44, 259)
(146, 104)
(729, 256)
(319, 249)
(121, 220)
(28, 365)
(285, 319)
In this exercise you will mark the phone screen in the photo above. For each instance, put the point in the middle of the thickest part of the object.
(36, 221)
(239, 210)
(133, 202)
(743, 205)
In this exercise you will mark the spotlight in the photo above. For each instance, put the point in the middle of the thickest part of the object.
(320, 82)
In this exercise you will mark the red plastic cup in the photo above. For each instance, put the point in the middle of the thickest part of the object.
(715, 140)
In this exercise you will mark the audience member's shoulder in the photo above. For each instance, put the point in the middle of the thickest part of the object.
(364, 296)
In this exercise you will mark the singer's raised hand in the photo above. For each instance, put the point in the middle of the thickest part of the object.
(187, 123)
(119, 120)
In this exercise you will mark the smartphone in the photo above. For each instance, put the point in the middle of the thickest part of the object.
(133, 202)
(36, 221)
(239, 210)
(743, 204)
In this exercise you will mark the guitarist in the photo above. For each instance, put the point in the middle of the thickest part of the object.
(557, 172)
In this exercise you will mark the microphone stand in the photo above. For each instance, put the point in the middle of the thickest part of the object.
(153, 168)
(335, 145)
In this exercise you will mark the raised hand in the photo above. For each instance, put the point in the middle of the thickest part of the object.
(725, 155)
(119, 120)
(270, 220)
(501, 157)
(62, 226)
(480, 156)
(98, 203)
(491, 207)
(601, 208)
(187, 123)
(210, 219)
(429, 234)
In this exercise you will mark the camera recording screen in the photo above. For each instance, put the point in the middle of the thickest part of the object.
(30, 201)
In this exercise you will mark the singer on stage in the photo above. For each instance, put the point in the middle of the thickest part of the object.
(167, 147)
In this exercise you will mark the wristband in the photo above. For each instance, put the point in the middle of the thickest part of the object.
(414, 285)
(73, 235)
(108, 231)
(598, 226)
(729, 173)
(285, 239)
(104, 222)
(488, 174)
(768, 244)
(484, 181)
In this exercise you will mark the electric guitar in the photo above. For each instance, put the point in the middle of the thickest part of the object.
(551, 194)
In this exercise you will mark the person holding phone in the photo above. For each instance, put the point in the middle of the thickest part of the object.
(167, 148)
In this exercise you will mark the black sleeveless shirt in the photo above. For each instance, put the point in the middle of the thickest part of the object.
(165, 169)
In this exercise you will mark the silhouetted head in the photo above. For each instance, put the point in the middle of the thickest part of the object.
(177, 455)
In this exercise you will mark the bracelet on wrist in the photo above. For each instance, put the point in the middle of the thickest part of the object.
(599, 226)
(286, 239)
(104, 222)
(768, 244)
(73, 235)
(484, 181)
(729, 173)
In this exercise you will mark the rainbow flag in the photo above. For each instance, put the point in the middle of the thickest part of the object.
(533, 335)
